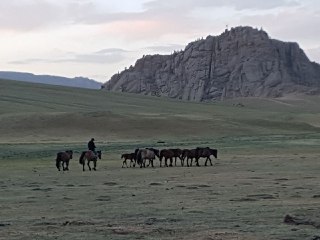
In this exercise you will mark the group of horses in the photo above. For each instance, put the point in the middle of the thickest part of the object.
(63, 159)
(141, 156)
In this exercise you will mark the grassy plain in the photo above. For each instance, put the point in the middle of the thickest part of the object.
(267, 167)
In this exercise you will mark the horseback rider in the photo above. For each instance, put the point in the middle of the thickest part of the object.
(92, 146)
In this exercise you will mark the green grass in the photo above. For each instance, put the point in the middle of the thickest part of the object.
(43, 113)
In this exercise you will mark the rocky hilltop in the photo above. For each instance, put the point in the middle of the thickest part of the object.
(241, 62)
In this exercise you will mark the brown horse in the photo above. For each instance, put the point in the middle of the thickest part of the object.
(189, 154)
(205, 153)
(89, 156)
(177, 154)
(166, 154)
(129, 156)
(64, 158)
(144, 154)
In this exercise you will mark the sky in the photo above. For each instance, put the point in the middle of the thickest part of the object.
(98, 38)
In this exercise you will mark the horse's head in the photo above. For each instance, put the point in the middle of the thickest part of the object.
(70, 153)
(214, 152)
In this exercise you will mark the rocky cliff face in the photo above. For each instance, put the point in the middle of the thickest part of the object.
(242, 62)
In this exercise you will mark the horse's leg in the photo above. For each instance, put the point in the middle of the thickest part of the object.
(175, 161)
(83, 163)
(171, 161)
(182, 161)
(166, 161)
(89, 165)
(152, 162)
(95, 165)
(210, 161)
(67, 163)
(58, 164)
(144, 162)
(197, 162)
(63, 165)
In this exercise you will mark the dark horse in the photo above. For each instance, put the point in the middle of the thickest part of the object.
(64, 158)
(188, 154)
(145, 154)
(166, 154)
(89, 156)
(205, 153)
(177, 154)
(129, 156)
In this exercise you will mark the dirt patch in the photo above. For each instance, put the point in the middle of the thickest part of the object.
(293, 220)
(262, 196)
(110, 183)
(155, 184)
(220, 235)
(126, 230)
(103, 198)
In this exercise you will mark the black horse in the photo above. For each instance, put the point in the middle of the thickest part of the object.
(166, 154)
(205, 153)
(188, 154)
(64, 158)
(128, 156)
(177, 154)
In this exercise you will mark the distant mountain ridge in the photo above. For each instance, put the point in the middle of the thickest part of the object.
(80, 82)
(241, 62)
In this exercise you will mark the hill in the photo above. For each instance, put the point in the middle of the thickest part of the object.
(80, 82)
(43, 113)
(241, 62)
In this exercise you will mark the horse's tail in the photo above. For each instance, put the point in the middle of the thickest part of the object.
(58, 158)
(81, 159)
(139, 158)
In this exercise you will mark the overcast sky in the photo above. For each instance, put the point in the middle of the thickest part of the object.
(97, 38)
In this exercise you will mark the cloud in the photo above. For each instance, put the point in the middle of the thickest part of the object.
(295, 25)
(104, 56)
(239, 5)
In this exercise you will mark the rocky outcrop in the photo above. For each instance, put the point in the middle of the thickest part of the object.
(241, 62)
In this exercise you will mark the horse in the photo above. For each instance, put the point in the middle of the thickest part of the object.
(177, 154)
(144, 154)
(205, 153)
(129, 156)
(189, 154)
(89, 156)
(156, 151)
(64, 157)
(166, 154)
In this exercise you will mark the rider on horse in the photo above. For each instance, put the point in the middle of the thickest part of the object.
(92, 146)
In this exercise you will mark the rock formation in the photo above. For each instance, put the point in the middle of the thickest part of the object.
(241, 62)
